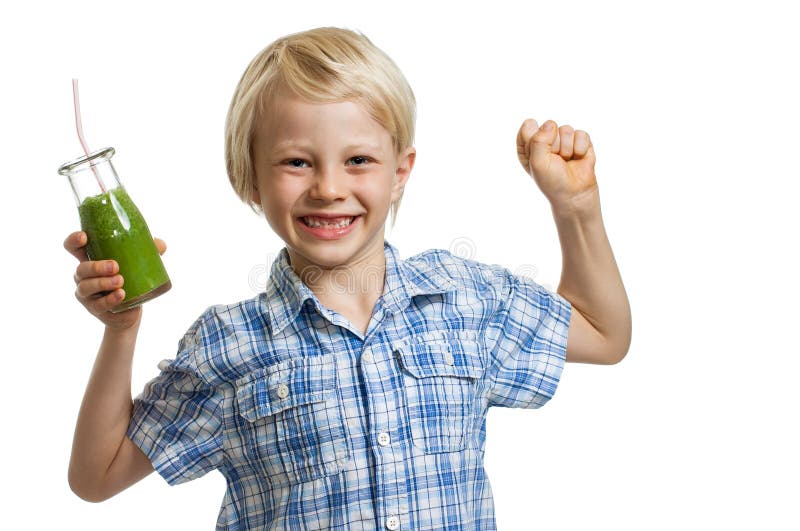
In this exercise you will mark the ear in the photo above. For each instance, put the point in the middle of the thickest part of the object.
(405, 163)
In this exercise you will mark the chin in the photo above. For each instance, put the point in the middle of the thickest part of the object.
(331, 254)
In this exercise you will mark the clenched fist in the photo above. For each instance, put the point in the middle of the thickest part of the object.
(560, 160)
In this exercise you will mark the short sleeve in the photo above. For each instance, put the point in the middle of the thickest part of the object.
(527, 342)
(177, 422)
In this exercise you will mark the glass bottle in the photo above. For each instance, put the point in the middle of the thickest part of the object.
(115, 228)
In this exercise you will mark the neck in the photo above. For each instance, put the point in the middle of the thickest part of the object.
(358, 283)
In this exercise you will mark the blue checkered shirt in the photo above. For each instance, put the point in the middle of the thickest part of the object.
(316, 425)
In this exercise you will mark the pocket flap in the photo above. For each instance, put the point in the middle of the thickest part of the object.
(462, 359)
(287, 384)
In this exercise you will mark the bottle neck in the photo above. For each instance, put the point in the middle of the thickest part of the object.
(91, 176)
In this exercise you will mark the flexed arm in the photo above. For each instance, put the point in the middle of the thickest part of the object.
(561, 161)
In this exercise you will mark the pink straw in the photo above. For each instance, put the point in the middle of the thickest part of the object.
(79, 127)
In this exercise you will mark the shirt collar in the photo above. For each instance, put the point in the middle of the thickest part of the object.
(286, 293)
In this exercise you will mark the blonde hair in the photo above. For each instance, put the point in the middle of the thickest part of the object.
(322, 65)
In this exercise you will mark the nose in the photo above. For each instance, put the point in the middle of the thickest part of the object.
(328, 185)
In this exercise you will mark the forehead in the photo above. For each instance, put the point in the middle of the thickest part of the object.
(291, 121)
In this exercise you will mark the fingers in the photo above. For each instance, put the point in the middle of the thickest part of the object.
(101, 302)
(91, 269)
(98, 285)
(98, 282)
(161, 245)
(94, 287)
(564, 141)
(75, 244)
(557, 142)
(544, 142)
(566, 134)
(582, 144)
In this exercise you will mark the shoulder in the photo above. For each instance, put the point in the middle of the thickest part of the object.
(221, 342)
(492, 287)
(466, 273)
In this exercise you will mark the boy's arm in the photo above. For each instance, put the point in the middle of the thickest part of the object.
(103, 460)
(600, 327)
(561, 161)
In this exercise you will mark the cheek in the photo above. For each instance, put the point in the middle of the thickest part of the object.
(281, 194)
(278, 200)
(378, 189)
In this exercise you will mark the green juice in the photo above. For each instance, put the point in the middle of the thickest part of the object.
(117, 231)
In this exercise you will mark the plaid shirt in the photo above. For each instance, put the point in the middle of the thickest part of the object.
(317, 426)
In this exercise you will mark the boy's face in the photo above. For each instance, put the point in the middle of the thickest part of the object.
(328, 159)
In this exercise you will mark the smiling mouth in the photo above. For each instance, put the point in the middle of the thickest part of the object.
(327, 223)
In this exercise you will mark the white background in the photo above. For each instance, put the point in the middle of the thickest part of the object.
(693, 110)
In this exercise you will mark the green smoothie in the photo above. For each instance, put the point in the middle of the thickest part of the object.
(116, 230)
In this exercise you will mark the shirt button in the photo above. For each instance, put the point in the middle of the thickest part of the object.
(384, 440)
(448, 358)
(283, 391)
(392, 523)
(367, 356)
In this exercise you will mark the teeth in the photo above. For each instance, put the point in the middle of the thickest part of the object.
(337, 223)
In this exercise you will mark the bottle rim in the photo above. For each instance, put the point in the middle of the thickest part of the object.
(69, 167)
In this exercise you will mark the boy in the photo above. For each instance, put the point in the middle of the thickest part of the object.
(352, 393)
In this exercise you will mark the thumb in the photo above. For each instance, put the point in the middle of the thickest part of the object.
(526, 131)
(160, 245)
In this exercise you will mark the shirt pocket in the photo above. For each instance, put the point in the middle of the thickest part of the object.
(293, 419)
(440, 380)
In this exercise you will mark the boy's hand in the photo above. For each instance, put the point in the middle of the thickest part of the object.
(99, 287)
(560, 160)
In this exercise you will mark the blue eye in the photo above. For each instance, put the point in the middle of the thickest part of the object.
(296, 163)
(359, 160)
